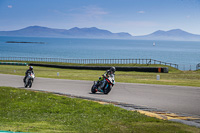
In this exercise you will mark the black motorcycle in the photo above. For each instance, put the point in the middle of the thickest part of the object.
(103, 86)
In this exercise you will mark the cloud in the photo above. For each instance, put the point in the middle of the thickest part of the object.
(60, 13)
(10, 6)
(188, 16)
(85, 14)
(94, 10)
(88, 12)
(141, 12)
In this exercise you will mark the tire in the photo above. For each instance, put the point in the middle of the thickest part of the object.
(108, 89)
(25, 85)
(30, 83)
(93, 89)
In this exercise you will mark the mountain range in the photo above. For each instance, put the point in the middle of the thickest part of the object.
(175, 34)
(93, 32)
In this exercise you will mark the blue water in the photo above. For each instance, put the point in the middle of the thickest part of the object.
(185, 54)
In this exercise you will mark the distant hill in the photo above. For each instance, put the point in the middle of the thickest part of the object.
(93, 32)
(38, 31)
(175, 34)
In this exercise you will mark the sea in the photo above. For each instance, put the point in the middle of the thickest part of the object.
(184, 53)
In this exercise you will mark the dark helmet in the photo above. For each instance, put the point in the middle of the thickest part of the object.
(113, 69)
(30, 68)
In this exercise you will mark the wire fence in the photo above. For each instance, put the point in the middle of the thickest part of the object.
(187, 67)
(91, 61)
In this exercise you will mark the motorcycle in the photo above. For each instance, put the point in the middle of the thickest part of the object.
(104, 86)
(29, 80)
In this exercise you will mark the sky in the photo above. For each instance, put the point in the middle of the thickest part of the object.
(137, 17)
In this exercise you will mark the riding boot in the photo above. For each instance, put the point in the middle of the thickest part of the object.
(98, 83)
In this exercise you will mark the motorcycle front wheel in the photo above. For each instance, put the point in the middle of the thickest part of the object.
(107, 89)
(30, 83)
(94, 89)
(25, 85)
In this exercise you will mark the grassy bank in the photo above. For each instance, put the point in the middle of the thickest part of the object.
(27, 111)
(174, 77)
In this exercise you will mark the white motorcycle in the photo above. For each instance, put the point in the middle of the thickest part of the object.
(29, 80)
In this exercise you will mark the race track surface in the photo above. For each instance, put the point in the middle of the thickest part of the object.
(176, 99)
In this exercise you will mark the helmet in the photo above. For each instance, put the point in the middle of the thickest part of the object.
(30, 68)
(113, 69)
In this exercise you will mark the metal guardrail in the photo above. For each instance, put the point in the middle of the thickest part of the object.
(91, 61)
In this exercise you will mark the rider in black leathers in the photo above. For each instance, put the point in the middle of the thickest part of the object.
(30, 70)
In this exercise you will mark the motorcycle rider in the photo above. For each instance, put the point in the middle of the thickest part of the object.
(30, 70)
(108, 73)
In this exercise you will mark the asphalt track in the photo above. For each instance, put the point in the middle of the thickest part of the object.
(176, 99)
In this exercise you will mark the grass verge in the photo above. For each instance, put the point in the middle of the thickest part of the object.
(27, 111)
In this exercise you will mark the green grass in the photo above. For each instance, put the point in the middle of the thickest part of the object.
(174, 77)
(27, 111)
